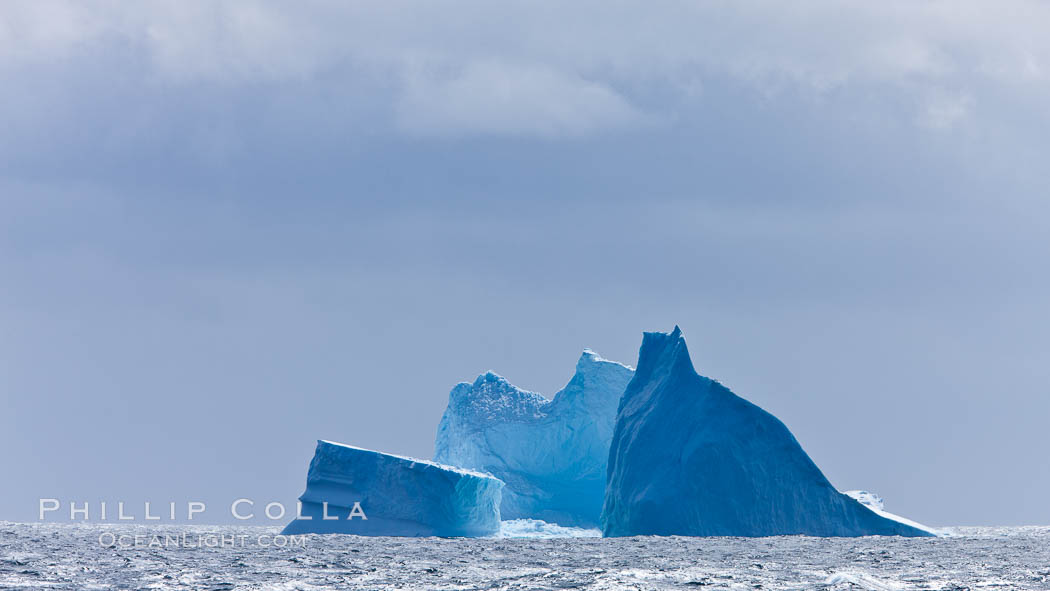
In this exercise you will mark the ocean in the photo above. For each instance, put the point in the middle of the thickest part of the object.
(107, 556)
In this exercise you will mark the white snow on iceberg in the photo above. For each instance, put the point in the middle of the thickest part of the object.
(370, 493)
(689, 457)
(552, 454)
(875, 503)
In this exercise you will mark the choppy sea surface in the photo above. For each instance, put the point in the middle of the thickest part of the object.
(61, 556)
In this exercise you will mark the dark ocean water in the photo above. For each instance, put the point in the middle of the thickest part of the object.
(52, 556)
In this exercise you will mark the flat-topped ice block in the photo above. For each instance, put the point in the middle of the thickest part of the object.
(397, 495)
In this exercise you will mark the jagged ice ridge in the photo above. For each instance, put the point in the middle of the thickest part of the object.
(552, 454)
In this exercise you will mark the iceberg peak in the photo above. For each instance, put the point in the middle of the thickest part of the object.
(590, 359)
(664, 353)
(489, 376)
(587, 358)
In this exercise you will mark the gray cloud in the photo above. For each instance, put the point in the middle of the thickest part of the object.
(576, 64)
(489, 97)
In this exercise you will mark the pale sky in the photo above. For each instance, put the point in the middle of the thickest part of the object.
(230, 229)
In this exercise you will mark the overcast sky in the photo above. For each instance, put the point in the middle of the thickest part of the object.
(229, 229)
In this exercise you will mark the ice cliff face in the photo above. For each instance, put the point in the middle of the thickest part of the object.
(551, 453)
(689, 457)
(397, 496)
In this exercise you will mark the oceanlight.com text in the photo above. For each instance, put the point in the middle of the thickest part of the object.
(206, 540)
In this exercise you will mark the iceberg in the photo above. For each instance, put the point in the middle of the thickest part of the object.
(350, 490)
(552, 454)
(689, 457)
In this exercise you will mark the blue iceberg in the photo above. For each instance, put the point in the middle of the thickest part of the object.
(369, 493)
(689, 457)
(552, 454)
